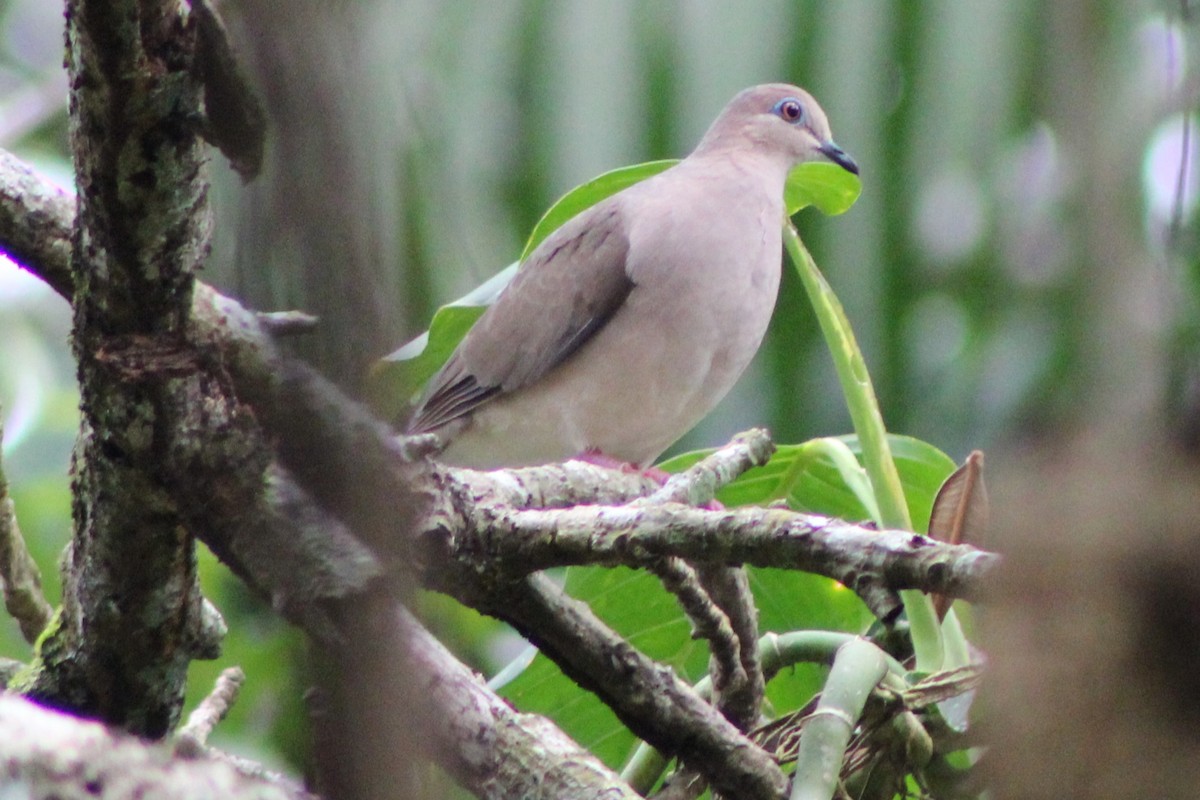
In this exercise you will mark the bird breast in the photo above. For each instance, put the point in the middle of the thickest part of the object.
(714, 284)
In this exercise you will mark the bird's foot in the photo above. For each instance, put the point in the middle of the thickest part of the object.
(596, 458)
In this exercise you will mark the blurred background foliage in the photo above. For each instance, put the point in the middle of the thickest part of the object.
(1022, 263)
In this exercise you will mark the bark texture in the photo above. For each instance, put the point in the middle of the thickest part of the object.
(132, 615)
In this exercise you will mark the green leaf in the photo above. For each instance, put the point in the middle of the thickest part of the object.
(818, 183)
(807, 476)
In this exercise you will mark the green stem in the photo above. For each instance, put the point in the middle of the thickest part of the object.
(857, 669)
(644, 767)
(872, 435)
(776, 652)
(856, 385)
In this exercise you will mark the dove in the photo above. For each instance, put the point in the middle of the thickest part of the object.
(630, 322)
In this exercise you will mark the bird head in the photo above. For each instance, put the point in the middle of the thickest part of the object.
(777, 120)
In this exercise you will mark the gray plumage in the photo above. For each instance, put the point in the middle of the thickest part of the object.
(632, 320)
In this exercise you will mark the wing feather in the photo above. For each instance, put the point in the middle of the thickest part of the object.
(568, 288)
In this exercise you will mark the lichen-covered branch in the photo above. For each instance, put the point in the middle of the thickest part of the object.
(708, 622)
(739, 700)
(699, 484)
(130, 626)
(35, 224)
(874, 563)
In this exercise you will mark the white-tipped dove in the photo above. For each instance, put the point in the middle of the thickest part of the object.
(631, 321)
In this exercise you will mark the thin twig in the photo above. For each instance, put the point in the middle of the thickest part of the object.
(287, 323)
(190, 739)
(709, 621)
(729, 588)
(19, 574)
(699, 484)
(737, 676)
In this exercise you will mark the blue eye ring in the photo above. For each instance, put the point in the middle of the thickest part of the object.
(790, 110)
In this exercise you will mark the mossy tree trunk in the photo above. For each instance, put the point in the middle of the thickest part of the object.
(133, 617)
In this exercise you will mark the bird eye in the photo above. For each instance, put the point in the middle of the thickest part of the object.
(789, 109)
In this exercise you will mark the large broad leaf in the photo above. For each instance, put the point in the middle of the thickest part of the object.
(636, 606)
(807, 477)
(399, 376)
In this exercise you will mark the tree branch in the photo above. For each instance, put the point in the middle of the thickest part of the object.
(708, 622)
(130, 626)
(739, 700)
(719, 596)
(50, 755)
(648, 697)
(35, 224)
(699, 484)
(234, 119)
(874, 563)
(191, 737)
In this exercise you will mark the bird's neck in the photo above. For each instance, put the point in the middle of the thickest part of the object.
(722, 157)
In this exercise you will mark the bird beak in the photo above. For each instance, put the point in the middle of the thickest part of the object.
(838, 156)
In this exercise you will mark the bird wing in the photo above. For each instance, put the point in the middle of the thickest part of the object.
(565, 292)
